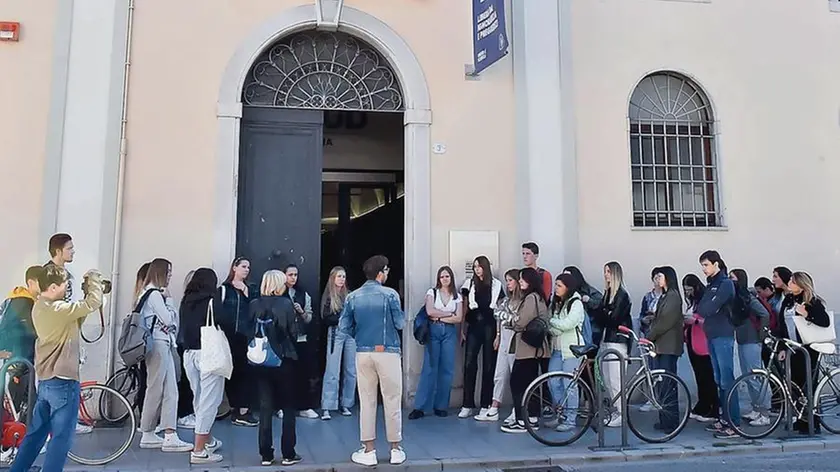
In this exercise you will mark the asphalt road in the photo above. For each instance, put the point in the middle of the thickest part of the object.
(824, 461)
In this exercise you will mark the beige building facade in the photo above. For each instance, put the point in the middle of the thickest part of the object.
(643, 131)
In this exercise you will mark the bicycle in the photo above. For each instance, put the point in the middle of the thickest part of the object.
(652, 385)
(772, 391)
(95, 442)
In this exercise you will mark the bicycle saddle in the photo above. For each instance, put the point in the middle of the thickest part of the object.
(823, 348)
(581, 351)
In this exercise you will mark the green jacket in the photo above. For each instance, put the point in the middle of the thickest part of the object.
(566, 324)
(666, 329)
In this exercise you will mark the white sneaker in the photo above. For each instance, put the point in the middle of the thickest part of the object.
(364, 458)
(488, 414)
(648, 406)
(280, 414)
(762, 420)
(615, 422)
(205, 457)
(465, 413)
(753, 415)
(346, 412)
(325, 415)
(83, 428)
(510, 419)
(213, 446)
(158, 429)
(309, 414)
(151, 441)
(172, 443)
(563, 428)
(397, 456)
(187, 422)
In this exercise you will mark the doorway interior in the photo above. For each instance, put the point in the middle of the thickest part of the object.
(362, 194)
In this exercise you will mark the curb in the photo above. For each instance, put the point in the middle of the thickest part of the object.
(573, 458)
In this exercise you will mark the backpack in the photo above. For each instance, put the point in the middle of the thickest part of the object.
(774, 317)
(422, 331)
(260, 351)
(584, 331)
(134, 334)
(739, 308)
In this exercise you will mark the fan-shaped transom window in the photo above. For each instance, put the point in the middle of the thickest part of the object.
(672, 154)
(328, 71)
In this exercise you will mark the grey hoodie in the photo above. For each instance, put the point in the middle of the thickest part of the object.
(748, 333)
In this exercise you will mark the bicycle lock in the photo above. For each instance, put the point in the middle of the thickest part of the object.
(621, 358)
(809, 391)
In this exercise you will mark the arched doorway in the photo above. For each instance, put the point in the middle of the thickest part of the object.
(416, 131)
(301, 95)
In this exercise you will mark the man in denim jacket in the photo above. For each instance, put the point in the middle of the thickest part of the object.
(373, 316)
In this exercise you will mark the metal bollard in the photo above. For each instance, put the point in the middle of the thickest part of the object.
(622, 359)
(809, 390)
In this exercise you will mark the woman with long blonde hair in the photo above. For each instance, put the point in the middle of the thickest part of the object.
(341, 349)
(803, 301)
(613, 313)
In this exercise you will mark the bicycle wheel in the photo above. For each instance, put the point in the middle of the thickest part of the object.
(670, 405)
(106, 440)
(570, 414)
(764, 387)
(827, 402)
(127, 383)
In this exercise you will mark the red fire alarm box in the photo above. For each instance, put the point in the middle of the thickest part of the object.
(9, 31)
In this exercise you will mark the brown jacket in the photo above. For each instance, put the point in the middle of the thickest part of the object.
(531, 307)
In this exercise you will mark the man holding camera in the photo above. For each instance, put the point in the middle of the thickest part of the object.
(57, 324)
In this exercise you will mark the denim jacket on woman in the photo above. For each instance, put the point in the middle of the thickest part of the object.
(372, 316)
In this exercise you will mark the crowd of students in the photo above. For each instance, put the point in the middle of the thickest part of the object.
(706, 320)
(492, 319)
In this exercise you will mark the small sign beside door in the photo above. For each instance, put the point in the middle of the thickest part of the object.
(439, 148)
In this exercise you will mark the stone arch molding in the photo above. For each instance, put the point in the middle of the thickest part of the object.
(332, 15)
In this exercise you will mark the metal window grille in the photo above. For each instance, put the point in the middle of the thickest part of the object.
(672, 154)
(328, 71)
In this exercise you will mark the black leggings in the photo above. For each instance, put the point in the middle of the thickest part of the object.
(185, 393)
(708, 401)
(275, 390)
(524, 372)
(480, 337)
(240, 388)
(307, 388)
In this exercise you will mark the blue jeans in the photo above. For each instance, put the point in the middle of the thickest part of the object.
(438, 368)
(557, 387)
(722, 351)
(749, 356)
(56, 412)
(341, 361)
(667, 394)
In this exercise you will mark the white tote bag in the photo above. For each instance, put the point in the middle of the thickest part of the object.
(215, 350)
(810, 333)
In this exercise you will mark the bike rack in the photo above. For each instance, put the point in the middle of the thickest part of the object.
(623, 360)
(30, 399)
(809, 392)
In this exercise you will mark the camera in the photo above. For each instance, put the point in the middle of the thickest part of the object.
(106, 286)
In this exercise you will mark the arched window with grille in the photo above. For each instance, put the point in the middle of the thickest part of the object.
(672, 154)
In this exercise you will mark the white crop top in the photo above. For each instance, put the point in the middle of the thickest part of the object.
(449, 307)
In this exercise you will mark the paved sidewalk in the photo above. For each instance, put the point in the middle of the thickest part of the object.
(445, 443)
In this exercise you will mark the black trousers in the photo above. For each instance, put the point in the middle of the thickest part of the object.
(308, 392)
(141, 388)
(799, 376)
(240, 387)
(480, 337)
(275, 390)
(708, 402)
(524, 372)
(185, 393)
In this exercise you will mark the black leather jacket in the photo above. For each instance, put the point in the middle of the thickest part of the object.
(612, 314)
(282, 332)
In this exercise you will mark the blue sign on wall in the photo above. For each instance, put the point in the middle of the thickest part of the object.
(489, 34)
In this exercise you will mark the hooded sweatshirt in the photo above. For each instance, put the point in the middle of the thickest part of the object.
(17, 333)
(193, 315)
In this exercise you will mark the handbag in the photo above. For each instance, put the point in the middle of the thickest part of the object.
(422, 330)
(260, 351)
(809, 333)
(215, 357)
